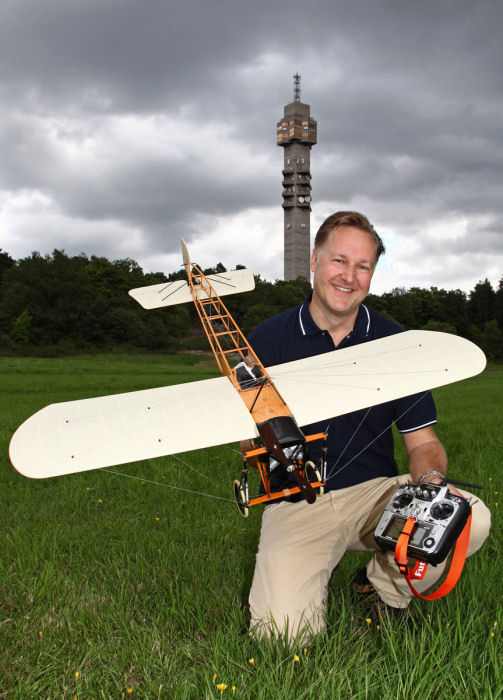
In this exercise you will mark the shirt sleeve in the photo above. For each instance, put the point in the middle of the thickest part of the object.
(414, 412)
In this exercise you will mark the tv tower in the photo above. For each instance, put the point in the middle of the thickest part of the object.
(297, 132)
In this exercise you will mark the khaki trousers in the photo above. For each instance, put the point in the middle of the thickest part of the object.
(301, 544)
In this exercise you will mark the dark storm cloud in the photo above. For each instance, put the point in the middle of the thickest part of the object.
(158, 114)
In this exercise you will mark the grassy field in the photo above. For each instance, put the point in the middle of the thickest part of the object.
(114, 587)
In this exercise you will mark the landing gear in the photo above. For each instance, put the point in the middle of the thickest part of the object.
(313, 475)
(283, 464)
(240, 498)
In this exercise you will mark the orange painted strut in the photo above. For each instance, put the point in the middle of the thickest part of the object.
(226, 338)
(263, 400)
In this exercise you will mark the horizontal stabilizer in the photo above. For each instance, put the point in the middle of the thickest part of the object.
(178, 292)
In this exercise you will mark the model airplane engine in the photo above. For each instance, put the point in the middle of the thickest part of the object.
(286, 446)
(289, 437)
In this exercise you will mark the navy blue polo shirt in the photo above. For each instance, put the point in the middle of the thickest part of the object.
(359, 444)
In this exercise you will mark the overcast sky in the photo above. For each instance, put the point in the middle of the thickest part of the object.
(127, 124)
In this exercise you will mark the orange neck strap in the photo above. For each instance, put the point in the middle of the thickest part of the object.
(419, 570)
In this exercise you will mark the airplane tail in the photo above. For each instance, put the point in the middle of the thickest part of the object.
(178, 292)
(185, 253)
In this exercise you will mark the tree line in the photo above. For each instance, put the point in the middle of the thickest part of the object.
(59, 304)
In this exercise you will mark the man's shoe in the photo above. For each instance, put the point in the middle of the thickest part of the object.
(361, 585)
(376, 608)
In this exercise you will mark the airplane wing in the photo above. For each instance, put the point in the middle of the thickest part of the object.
(372, 373)
(76, 436)
(89, 434)
(178, 292)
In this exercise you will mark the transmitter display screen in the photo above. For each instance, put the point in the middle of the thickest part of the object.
(394, 530)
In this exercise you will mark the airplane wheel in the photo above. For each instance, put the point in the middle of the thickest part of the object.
(239, 495)
(313, 474)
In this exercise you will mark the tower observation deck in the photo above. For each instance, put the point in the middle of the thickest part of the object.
(297, 132)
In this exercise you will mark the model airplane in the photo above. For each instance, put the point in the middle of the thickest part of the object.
(249, 402)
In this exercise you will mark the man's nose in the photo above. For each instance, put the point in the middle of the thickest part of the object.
(349, 273)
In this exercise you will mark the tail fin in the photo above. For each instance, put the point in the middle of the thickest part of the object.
(185, 252)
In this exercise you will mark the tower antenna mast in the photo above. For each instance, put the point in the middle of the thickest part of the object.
(296, 87)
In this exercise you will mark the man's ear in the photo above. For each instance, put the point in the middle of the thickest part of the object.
(314, 259)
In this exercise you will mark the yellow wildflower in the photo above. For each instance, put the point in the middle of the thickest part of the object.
(129, 691)
(296, 659)
(368, 620)
(99, 500)
(233, 689)
(77, 674)
(251, 661)
(221, 687)
(214, 677)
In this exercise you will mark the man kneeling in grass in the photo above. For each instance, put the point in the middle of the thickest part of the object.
(300, 543)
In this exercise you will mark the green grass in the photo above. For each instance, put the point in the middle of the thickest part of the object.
(139, 587)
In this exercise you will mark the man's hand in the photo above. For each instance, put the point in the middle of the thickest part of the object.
(426, 453)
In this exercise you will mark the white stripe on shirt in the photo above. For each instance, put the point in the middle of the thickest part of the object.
(418, 427)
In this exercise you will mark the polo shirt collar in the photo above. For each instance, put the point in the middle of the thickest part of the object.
(308, 326)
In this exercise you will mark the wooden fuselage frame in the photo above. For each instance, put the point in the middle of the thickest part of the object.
(263, 400)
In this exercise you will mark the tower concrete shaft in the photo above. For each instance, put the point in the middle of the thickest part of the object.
(297, 133)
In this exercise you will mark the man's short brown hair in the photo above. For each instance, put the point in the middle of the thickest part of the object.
(348, 218)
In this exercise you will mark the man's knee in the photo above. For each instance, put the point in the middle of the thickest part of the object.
(293, 627)
(481, 524)
(284, 601)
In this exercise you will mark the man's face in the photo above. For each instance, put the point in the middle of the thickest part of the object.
(343, 268)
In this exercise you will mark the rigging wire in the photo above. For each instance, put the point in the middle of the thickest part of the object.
(168, 486)
(334, 474)
(349, 441)
(190, 467)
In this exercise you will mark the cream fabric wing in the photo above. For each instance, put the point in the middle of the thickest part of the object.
(76, 436)
(381, 370)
